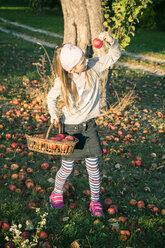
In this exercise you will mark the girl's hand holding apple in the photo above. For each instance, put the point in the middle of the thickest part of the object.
(107, 37)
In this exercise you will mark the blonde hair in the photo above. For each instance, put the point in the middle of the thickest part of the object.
(68, 87)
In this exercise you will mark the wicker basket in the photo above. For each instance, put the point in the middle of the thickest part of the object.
(49, 146)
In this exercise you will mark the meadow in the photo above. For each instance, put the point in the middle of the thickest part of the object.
(132, 167)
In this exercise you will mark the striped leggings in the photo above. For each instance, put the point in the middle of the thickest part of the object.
(93, 172)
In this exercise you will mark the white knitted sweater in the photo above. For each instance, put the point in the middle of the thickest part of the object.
(88, 106)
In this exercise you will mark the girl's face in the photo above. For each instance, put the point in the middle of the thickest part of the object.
(81, 66)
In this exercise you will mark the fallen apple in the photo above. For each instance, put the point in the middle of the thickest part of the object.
(133, 202)
(12, 187)
(72, 205)
(46, 244)
(43, 235)
(45, 166)
(141, 204)
(107, 201)
(111, 211)
(97, 43)
(5, 226)
(122, 219)
(9, 245)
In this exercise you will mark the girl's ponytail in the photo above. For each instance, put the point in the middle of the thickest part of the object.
(68, 87)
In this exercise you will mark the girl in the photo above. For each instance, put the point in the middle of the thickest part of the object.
(78, 83)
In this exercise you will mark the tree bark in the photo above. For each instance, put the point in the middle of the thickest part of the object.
(83, 21)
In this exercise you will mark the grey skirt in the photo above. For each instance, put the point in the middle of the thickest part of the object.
(89, 145)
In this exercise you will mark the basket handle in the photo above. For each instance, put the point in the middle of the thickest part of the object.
(51, 125)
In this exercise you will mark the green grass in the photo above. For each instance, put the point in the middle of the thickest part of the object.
(121, 183)
(51, 20)
(149, 42)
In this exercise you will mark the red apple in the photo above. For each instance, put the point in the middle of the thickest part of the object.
(12, 187)
(9, 245)
(15, 102)
(29, 170)
(133, 202)
(5, 226)
(111, 211)
(31, 205)
(14, 176)
(141, 204)
(87, 192)
(155, 209)
(53, 138)
(14, 166)
(69, 138)
(123, 219)
(14, 145)
(60, 137)
(42, 235)
(25, 235)
(46, 244)
(108, 201)
(120, 133)
(8, 136)
(115, 207)
(138, 162)
(97, 43)
(72, 205)
(125, 232)
(45, 166)
(105, 151)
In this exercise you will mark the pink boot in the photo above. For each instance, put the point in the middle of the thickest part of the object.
(56, 200)
(96, 209)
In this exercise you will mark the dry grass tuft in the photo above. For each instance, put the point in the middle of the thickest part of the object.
(122, 102)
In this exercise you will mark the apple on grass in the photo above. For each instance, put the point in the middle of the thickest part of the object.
(5, 226)
(72, 205)
(9, 245)
(107, 201)
(12, 187)
(122, 219)
(45, 166)
(141, 204)
(112, 209)
(43, 235)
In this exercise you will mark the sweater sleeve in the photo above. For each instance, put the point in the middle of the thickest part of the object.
(99, 64)
(52, 98)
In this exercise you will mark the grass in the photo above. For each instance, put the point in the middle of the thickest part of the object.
(51, 20)
(142, 125)
(150, 42)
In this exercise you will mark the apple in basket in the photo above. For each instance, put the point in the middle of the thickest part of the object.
(69, 138)
(53, 138)
(60, 137)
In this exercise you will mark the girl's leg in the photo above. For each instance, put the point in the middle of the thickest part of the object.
(94, 177)
(62, 175)
(56, 197)
(94, 182)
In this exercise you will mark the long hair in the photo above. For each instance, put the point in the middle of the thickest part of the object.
(68, 88)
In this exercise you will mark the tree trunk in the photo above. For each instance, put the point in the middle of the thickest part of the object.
(83, 21)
